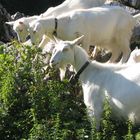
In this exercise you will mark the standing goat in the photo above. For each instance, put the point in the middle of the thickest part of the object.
(107, 27)
(101, 81)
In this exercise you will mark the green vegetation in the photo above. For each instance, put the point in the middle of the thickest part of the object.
(36, 108)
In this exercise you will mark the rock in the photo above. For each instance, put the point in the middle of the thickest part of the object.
(6, 33)
(132, 3)
(131, 10)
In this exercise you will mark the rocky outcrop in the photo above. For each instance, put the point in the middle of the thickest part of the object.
(131, 3)
(6, 33)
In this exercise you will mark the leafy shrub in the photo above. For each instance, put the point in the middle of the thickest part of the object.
(36, 108)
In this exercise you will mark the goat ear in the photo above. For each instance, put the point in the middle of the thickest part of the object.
(77, 41)
(10, 23)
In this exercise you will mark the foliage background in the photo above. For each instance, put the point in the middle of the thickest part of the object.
(35, 105)
(33, 108)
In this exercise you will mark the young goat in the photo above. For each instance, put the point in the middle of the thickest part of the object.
(101, 81)
(107, 27)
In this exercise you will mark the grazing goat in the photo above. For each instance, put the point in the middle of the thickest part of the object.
(20, 26)
(107, 27)
(47, 45)
(100, 81)
(134, 56)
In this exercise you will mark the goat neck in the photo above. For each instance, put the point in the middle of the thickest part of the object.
(80, 58)
(62, 26)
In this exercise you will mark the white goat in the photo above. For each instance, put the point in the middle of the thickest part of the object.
(101, 81)
(134, 56)
(20, 26)
(47, 45)
(107, 27)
